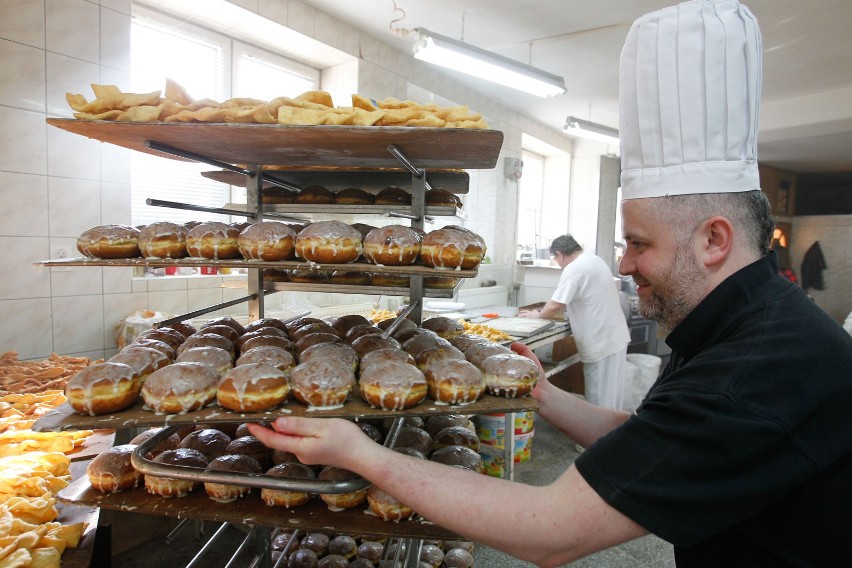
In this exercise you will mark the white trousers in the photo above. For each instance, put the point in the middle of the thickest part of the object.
(604, 380)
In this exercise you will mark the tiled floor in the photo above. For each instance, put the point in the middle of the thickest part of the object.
(134, 546)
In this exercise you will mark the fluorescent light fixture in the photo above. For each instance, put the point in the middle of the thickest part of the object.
(590, 131)
(453, 54)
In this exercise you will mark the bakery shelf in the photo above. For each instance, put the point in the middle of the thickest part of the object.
(346, 289)
(274, 144)
(370, 180)
(64, 418)
(344, 209)
(251, 510)
(414, 270)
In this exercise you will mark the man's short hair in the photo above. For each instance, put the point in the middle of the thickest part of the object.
(749, 211)
(566, 245)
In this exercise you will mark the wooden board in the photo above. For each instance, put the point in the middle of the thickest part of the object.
(98, 442)
(64, 418)
(274, 144)
(520, 327)
(251, 510)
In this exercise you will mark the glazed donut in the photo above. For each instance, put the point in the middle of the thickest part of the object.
(404, 335)
(225, 331)
(259, 332)
(213, 240)
(423, 341)
(370, 551)
(386, 507)
(440, 282)
(454, 382)
(322, 383)
(111, 470)
(392, 385)
(445, 327)
(189, 225)
(372, 432)
(240, 463)
(240, 225)
(172, 337)
(459, 456)
(435, 424)
(458, 558)
(103, 388)
(169, 443)
(250, 446)
(267, 240)
(431, 555)
(393, 245)
(509, 375)
(328, 242)
(390, 280)
(209, 441)
(333, 561)
(315, 339)
(354, 196)
(463, 544)
(109, 241)
(414, 438)
(360, 330)
(339, 501)
(284, 498)
(385, 354)
(276, 357)
(182, 328)
(465, 342)
(441, 198)
(346, 322)
(348, 278)
(397, 323)
(478, 353)
(343, 545)
(373, 341)
(455, 436)
(315, 194)
(180, 387)
(298, 333)
(228, 428)
(265, 322)
(202, 339)
(451, 248)
(307, 276)
(267, 341)
(168, 487)
(334, 351)
(299, 322)
(392, 195)
(213, 357)
(363, 562)
(277, 196)
(252, 387)
(226, 320)
(160, 346)
(143, 360)
(163, 240)
(428, 357)
(362, 228)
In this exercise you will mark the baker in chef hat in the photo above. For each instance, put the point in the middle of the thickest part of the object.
(689, 101)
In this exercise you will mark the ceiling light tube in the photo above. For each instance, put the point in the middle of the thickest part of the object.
(591, 131)
(453, 54)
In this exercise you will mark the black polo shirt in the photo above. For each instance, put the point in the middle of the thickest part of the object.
(741, 453)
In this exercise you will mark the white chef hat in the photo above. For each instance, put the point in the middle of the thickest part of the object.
(689, 101)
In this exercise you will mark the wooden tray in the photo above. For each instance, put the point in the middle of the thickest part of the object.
(274, 144)
(64, 418)
(96, 443)
(251, 510)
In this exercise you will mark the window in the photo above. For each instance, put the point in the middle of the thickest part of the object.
(530, 192)
(208, 65)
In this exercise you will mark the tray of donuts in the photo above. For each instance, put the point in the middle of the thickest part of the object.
(320, 243)
(220, 472)
(339, 367)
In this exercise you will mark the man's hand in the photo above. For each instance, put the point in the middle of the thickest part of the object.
(529, 314)
(316, 441)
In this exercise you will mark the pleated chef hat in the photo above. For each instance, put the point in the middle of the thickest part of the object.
(689, 101)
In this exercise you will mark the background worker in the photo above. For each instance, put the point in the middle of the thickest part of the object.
(586, 293)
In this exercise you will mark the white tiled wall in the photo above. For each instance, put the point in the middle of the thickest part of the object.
(54, 185)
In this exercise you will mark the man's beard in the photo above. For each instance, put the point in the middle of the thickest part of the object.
(676, 292)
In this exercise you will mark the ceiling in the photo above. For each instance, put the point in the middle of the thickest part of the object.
(806, 114)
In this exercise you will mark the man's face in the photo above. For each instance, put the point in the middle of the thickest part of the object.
(670, 282)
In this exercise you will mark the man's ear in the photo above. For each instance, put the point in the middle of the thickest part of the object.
(717, 234)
